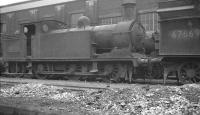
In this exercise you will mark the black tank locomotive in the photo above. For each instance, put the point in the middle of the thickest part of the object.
(46, 49)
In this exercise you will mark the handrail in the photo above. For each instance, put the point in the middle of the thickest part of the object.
(8, 36)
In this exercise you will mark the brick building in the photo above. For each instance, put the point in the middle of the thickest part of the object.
(100, 12)
(146, 10)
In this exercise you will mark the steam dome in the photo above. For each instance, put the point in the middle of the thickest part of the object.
(83, 21)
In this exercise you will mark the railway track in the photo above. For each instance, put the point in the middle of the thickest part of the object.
(74, 88)
(76, 85)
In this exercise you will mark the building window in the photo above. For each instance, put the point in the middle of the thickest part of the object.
(150, 21)
(3, 28)
(51, 25)
(74, 19)
(110, 20)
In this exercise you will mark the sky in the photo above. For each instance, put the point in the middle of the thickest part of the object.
(6, 2)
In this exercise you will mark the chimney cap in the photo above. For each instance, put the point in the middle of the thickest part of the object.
(128, 2)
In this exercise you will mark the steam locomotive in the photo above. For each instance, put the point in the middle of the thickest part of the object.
(117, 52)
(179, 39)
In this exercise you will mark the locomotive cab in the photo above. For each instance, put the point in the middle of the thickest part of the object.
(33, 32)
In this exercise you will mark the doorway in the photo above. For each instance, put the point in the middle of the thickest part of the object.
(29, 31)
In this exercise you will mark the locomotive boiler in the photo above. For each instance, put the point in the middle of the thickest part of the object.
(46, 49)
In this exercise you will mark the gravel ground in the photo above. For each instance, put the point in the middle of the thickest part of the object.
(137, 100)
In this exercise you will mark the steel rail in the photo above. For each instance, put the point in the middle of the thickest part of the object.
(70, 87)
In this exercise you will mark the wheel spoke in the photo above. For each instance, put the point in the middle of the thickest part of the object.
(194, 80)
(197, 73)
(197, 76)
(197, 70)
(190, 80)
(195, 67)
(190, 72)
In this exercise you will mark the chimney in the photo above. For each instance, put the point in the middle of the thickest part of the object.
(129, 9)
(91, 11)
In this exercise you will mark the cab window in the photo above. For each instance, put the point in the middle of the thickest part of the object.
(3, 28)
